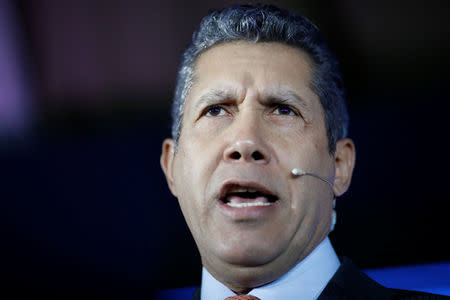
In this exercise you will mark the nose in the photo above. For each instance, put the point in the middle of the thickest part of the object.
(247, 150)
(248, 137)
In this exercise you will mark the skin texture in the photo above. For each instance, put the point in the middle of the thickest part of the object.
(251, 117)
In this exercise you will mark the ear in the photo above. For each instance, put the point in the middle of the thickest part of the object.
(166, 160)
(344, 161)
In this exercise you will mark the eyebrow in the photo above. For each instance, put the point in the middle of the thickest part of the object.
(214, 96)
(286, 95)
(282, 95)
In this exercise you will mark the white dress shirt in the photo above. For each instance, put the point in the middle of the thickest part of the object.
(305, 281)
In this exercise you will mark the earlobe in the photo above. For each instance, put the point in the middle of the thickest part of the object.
(344, 162)
(166, 160)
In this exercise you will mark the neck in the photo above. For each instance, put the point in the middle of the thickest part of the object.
(241, 279)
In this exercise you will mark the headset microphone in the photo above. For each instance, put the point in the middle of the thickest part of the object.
(299, 172)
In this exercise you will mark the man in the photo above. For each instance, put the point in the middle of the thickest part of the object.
(258, 154)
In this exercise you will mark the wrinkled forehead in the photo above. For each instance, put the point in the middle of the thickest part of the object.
(233, 67)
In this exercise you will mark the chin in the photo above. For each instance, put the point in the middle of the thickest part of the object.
(249, 255)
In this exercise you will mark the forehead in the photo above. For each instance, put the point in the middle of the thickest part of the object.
(263, 67)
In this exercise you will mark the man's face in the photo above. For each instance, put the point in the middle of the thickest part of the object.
(250, 118)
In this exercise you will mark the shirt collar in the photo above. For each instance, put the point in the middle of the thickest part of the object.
(304, 281)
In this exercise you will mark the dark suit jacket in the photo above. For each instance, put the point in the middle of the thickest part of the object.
(350, 283)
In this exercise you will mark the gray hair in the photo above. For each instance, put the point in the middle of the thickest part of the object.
(267, 23)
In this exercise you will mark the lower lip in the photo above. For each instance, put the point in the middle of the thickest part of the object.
(247, 213)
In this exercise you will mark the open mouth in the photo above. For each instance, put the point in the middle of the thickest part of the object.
(243, 195)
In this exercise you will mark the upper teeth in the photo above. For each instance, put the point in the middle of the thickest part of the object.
(248, 204)
(242, 190)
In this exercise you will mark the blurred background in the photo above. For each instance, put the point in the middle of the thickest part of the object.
(85, 90)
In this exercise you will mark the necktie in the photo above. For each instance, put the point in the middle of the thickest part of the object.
(243, 297)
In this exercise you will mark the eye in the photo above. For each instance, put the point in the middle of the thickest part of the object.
(214, 111)
(284, 110)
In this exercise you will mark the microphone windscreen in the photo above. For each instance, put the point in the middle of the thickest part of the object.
(297, 172)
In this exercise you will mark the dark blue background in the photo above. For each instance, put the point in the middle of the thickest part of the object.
(85, 210)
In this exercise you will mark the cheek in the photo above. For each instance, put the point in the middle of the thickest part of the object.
(209, 127)
(189, 198)
(192, 170)
(306, 149)
(293, 148)
(311, 216)
(202, 150)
